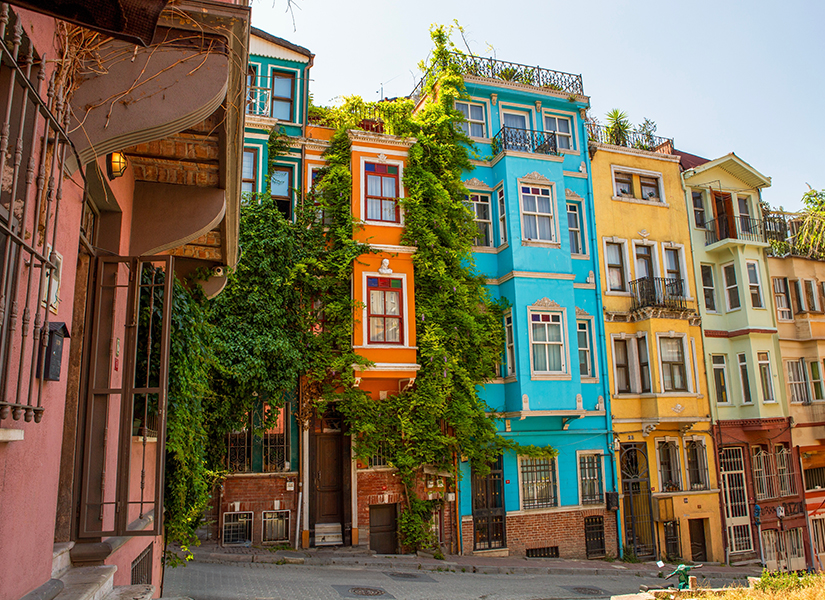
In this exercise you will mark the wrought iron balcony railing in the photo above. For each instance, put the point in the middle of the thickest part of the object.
(524, 140)
(744, 228)
(259, 101)
(630, 139)
(491, 68)
(660, 292)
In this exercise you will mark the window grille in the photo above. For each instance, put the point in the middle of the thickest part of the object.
(276, 444)
(142, 567)
(276, 526)
(594, 537)
(697, 465)
(735, 499)
(818, 529)
(673, 544)
(763, 480)
(539, 485)
(237, 528)
(815, 478)
(380, 458)
(239, 451)
(590, 473)
(546, 552)
(773, 473)
(669, 467)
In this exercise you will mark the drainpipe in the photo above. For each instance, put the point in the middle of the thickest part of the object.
(304, 129)
(814, 556)
(594, 253)
(459, 544)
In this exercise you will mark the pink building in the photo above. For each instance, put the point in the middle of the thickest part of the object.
(120, 150)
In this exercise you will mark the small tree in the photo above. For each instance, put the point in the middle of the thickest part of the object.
(618, 127)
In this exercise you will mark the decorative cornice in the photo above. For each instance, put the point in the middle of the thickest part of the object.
(546, 303)
(636, 152)
(356, 135)
(476, 184)
(530, 88)
(716, 333)
(568, 193)
(580, 312)
(536, 177)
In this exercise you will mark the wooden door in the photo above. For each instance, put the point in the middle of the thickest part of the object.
(383, 528)
(489, 515)
(327, 480)
(725, 219)
(698, 548)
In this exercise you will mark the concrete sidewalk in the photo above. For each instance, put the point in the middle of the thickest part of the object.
(210, 551)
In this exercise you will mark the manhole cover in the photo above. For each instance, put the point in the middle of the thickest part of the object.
(416, 577)
(366, 591)
(404, 575)
(587, 591)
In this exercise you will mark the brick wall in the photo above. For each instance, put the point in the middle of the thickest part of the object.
(540, 530)
(257, 493)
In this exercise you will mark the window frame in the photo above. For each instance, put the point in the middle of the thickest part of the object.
(802, 382)
(625, 366)
(592, 499)
(687, 372)
(554, 501)
(729, 287)
(705, 268)
(811, 296)
(277, 73)
(636, 176)
(671, 446)
(582, 241)
(752, 268)
(679, 273)
(401, 310)
(554, 226)
(765, 375)
(648, 181)
(785, 294)
(564, 343)
(474, 198)
(254, 180)
(502, 217)
(397, 177)
(744, 378)
(623, 266)
(283, 201)
(815, 382)
(509, 345)
(588, 332)
(702, 469)
(623, 176)
(571, 119)
(723, 368)
(469, 121)
(641, 342)
(697, 209)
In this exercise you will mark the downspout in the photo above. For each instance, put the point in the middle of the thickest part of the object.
(459, 544)
(304, 120)
(298, 527)
(814, 555)
(594, 253)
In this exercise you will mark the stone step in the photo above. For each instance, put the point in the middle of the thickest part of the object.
(61, 561)
(132, 592)
(87, 583)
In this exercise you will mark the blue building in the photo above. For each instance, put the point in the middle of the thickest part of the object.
(532, 197)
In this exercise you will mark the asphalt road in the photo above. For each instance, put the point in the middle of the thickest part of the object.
(256, 581)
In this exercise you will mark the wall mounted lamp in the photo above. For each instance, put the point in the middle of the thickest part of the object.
(116, 164)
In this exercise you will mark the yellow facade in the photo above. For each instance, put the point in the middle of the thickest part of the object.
(661, 418)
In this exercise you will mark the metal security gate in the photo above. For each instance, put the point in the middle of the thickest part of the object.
(638, 519)
(735, 499)
(488, 509)
(594, 537)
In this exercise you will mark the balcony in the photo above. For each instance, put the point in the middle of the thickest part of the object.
(258, 101)
(631, 139)
(490, 68)
(744, 229)
(524, 140)
(658, 292)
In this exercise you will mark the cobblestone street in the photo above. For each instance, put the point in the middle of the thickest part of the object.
(257, 581)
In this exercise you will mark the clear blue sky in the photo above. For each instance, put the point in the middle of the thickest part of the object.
(717, 76)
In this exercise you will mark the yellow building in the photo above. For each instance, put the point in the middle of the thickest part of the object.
(661, 419)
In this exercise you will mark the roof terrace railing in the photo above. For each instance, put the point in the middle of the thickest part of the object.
(629, 139)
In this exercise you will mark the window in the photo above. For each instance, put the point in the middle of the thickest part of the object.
(782, 298)
(502, 218)
(650, 188)
(249, 171)
(585, 355)
(616, 281)
(644, 364)
(547, 340)
(796, 381)
(720, 378)
(669, 470)
(811, 298)
(735, 499)
(673, 268)
(731, 287)
(280, 186)
(743, 378)
(674, 375)
(385, 320)
(237, 528)
(745, 214)
(800, 299)
(575, 228)
(699, 209)
(815, 480)
(753, 285)
(621, 365)
(282, 91)
(480, 204)
(707, 288)
(537, 213)
(816, 380)
(276, 526)
(590, 476)
(644, 261)
(510, 349)
(382, 193)
(623, 183)
(765, 376)
(539, 485)
(561, 127)
(697, 465)
(474, 114)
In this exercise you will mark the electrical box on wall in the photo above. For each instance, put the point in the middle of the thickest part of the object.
(51, 361)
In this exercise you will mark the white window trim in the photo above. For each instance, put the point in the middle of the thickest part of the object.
(574, 129)
(585, 255)
(503, 241)
(654, 254)
(726, 287)
(814, 293)
(594, 358)
(365, 331)
(705, 210)
(759, 364)
(759, 284)
(691, 385)
(686, 484)
(485, 106)
(712, 380)
(363, 191)
(788, 299)
(741, 382)
(682, 266)
(634, 368)
(800, 294)
(662, 201)
(491, 221)
(626, 266)
(525, 110)
(292, 180)
(263, 525)
(715, 310)
(680, 449)
(550, 375)
(579, 454)
(510, 372)
(296, 92)
(521, 488)
(554, 215)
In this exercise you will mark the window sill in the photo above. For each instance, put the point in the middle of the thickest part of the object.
(634, 200)
(590, 380)
(485, 249)
(503, 247)
(617, 293)
(382, 223)
(510, 379)
(580, 256)
(386, 347)
(733, 310)
(570, 151)
(555, 509)
(550, 377)
(540, 244)
(685, 493)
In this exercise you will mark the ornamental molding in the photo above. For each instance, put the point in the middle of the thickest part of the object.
(356, 135)
(536, 177)
(580, 312)
(546, 303)
(477, 184)
(570, 194)
(529, 88)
